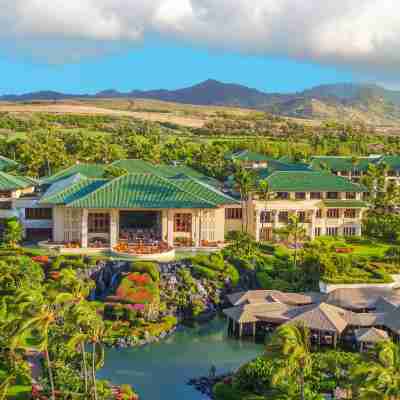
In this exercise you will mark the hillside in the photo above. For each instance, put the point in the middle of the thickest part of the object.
(370, 104)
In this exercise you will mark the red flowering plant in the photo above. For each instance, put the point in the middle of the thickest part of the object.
(137, 288)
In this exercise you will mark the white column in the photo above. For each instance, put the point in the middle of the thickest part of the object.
(257, 225)
(196, 228)
(170, 228)
(164, 225)
(84, 231)
(114, 217)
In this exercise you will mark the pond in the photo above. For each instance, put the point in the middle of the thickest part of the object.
(161, 370)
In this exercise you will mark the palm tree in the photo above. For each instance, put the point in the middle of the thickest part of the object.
(293, 232)
(245, 181)
(379, 378)
(291, 345)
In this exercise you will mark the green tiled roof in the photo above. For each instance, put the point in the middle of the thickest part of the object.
(310, 181)
(345, 203)
(67, 193)
(6, 163)
(246, 155)
(393, 162)
(140, 191)
(87, 170)
(168, 171)
(202, 190)
(12, 182)
(343, 163)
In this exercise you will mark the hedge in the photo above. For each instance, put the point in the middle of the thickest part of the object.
(148, 267)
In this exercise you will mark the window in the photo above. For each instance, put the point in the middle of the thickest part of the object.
(317, 232)
(302, 216)
(38, 213)
(349, 231)
(233, 213)
(265, 217)
(356, 173)
(332, 213)
(318, 213)
(283, 216)
(183, 223)
(332, 231)
(5, 195)
(350, 213)
(332, 195)
(6, 205)
(300, 196)
(282, 195)
(350, 195)
(99, 223)
(315, 195)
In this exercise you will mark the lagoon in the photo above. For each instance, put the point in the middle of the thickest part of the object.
(160, 371)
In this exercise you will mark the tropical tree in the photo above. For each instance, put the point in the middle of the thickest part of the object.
(293, 232)
(245, 181)
(291, 345)
(379, 378)
(13, 232)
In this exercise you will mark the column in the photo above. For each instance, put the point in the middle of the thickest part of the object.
(114, 222)
(313, 224)
(164, 225)
(84, 228)
(257, 225)
(196, 229)
(170, 228)
(240, 330)
(254, 330)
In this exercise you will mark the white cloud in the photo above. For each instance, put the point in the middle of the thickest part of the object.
(356, 33)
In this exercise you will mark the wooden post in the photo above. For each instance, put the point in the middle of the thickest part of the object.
(240, 330)
(334, 340)
(254, 330)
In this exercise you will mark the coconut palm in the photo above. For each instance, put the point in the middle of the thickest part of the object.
(291, 345)
(245, 181)
(379, 378)
(294, 232)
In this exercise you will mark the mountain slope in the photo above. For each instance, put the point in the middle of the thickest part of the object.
(368, 103)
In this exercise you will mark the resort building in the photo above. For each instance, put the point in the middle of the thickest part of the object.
(354, 168)
(147, 209)
(365, 315)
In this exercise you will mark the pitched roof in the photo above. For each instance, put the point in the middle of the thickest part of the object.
(74, 191)
(12, 182)
(370, 335)
(392, 320)
(392, 161)
(357, 298)
(345, 164)
(141, 191)
(310, 181)
(255, 312)
(6, 163)
(263, 296)
(321, 317)
(93, 171)
(247, 155)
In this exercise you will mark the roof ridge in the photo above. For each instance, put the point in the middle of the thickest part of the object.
(327, 308)
(63, 190)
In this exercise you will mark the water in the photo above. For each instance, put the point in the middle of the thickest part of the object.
(160, 371)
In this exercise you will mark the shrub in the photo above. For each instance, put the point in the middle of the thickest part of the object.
(204, 272)
(233, 274)
(224, 391)
(148, 267)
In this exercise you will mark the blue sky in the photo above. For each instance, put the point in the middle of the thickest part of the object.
(162, 64)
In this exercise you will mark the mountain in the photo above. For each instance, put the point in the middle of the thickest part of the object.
(369, 103)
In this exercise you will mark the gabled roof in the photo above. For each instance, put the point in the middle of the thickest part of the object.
(370, 335)
(13, 182)
(142, 190)
(392, 161)
(310, 181)
(94, 171)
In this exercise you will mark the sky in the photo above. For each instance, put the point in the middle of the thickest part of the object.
(84, 46)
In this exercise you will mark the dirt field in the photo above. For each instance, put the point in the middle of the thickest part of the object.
(77, 108)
